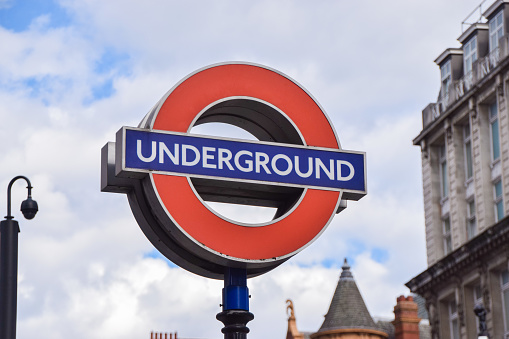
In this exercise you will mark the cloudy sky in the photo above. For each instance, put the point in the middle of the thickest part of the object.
(72, 72)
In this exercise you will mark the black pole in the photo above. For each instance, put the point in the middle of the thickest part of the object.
(9, 230)
(235, 315)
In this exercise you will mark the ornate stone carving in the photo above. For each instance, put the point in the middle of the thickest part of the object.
(424, 149)
(289, 309)
(500, 87)
(459, 298)
(432, 308)
(485, 291)
(448, 131)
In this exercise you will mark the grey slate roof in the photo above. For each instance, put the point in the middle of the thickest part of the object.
(388, 327)
(347, 309)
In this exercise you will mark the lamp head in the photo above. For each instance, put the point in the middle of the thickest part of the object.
(29, 208)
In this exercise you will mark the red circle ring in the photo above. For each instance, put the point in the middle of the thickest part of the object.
(285, 236)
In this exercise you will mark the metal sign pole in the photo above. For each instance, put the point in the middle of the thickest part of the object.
(235, 314)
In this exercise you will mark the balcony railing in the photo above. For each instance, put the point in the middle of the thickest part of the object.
(464, 84)
(457, 89)
(487, 64)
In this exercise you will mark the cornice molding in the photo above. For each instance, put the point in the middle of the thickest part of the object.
(488, 244)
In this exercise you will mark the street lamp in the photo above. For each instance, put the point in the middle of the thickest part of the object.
(480, 312)
(9, 230)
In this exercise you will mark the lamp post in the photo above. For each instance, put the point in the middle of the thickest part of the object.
(9, 230)
(480, 312)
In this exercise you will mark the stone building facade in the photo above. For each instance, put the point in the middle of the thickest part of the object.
(465, 172)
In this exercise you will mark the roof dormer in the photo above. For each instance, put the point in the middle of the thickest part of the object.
(475, 41)
(498, 19)
(451, 69)
(455, 57)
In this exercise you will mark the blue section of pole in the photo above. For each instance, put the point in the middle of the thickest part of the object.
(9, 230)
(235, 291)
(235, 315)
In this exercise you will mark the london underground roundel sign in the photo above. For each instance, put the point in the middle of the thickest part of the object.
(296, 166)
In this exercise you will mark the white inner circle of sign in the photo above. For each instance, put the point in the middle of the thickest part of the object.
(245, 214)
(251, 119)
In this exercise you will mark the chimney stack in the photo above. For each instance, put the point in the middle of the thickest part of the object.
(157, 335)
(406, 321)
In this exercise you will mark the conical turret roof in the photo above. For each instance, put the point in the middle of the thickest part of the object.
(347, 309)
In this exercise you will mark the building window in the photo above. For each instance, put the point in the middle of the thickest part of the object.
(471, 222)
(504, 280)
(446, 229)
(444, 184)
(496, 30)
(469, 55)
(445, 72)
(453, 320)
(495, 138)
(469, 169)
(499, 201)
